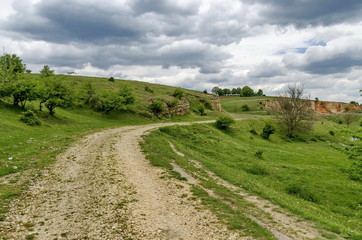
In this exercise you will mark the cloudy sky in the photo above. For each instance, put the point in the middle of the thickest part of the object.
(196, 44)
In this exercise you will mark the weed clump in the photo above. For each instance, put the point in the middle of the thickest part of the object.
(245, 108)
(302, 192)
(259, 154)
(257, 169)
(30, 118)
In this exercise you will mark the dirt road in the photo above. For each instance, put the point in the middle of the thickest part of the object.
(103, 188)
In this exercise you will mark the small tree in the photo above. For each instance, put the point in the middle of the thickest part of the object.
(53, 94)
(293, 110)
(11, 68)
(224, 122)
(24, 91)
(46, 72)
(260, 93)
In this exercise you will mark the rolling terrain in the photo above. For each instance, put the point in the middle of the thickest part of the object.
(125, 175)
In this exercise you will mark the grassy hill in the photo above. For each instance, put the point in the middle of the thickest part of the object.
(25, 149)
(311, 176)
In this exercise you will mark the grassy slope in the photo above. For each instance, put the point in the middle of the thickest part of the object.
(306, 178)
(233, 104)
(23, 147)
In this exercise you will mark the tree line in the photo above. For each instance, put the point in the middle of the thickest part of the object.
(246, 91)
(52, 91)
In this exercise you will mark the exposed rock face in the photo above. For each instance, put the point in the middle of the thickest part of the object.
(180, 109)
(334, 107)
(216, 105)
(323, 107)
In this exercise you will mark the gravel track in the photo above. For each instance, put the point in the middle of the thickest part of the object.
(103, 188)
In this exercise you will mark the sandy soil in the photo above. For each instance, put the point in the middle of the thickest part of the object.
(103, 188)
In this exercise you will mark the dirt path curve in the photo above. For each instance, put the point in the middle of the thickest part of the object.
(103, 188)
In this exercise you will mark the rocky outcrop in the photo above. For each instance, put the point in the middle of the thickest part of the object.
(215, 104)
(323, 107)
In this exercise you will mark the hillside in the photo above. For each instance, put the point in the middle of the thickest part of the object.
(26, 149)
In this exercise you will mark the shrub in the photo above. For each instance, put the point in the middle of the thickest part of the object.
(245, 108)
(331, 133)
(111, 79)
(173, 103)
(267, 131)
(224, 122)
(178, 93)
(30, 118)
(201, 110)
(157, 107)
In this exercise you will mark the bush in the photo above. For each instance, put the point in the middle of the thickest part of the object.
(178, 93)
(201, 110)
(224, 122)
(30, 118)
(111, 79)
(173, 103)
(157, 107)
(267, 131)
(331, 133)
(245, 108)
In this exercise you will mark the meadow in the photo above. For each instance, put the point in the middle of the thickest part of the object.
(25, 150)
(308, 176)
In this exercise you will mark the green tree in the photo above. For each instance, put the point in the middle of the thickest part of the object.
(53, 94)
(293, 110)
(24, 91)
(11, 68)
(46, 72)
(260, 93)
(226, 91)
(247, 92)
(110, 100)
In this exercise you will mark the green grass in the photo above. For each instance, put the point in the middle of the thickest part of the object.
(233, 104)
(24, 147)
(308, 176)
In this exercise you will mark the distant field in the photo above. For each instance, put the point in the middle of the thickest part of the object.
(233, 104)
(309, 177)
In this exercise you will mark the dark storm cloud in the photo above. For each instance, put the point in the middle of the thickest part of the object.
(308, 12)
(141, 32)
